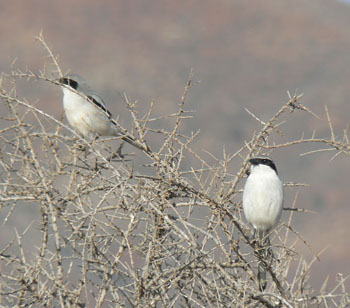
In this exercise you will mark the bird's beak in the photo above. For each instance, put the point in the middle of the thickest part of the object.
(247, 171)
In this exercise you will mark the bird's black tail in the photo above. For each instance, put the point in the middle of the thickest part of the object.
(262, 276)
(129, 139)
(133, 142)
(265, 255)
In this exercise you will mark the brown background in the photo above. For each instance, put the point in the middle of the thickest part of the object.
(245, 54)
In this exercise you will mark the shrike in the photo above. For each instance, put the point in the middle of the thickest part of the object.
(262, 204)
(86, 111)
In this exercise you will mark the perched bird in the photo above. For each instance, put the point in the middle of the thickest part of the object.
(262, 204)
(86, 111)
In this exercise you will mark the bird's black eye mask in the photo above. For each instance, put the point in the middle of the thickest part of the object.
(263, 161)
(69, 82)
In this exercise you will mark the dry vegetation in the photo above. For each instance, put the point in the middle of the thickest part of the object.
(115, 234)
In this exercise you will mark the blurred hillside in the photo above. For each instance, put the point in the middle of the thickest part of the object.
(244, 55)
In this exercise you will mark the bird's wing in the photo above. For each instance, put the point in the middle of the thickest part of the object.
(85, 89)
(98, 102)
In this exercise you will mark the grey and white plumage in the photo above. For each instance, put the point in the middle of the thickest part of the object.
(263, 202)
(86, 112)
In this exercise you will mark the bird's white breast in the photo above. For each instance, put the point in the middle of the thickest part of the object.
(263, 198)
